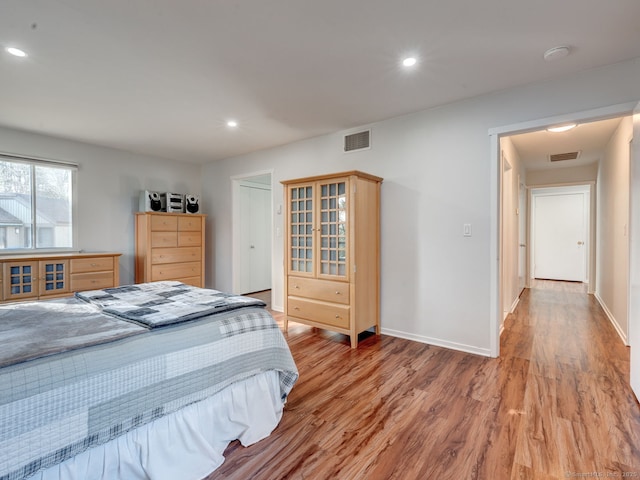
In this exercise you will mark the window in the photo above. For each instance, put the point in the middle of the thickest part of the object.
(36, 204)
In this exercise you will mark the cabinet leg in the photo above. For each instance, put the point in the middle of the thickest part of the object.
(286, 324)
(354, 341)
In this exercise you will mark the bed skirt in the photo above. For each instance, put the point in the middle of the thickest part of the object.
(187, 444)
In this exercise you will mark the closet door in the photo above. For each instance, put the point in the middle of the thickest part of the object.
(255, 238)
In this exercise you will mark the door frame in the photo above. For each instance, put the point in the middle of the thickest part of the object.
(495, 273)
(236, 181)
(243, 186)
(633, 231)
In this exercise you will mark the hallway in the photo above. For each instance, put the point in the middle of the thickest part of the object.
(578, 412)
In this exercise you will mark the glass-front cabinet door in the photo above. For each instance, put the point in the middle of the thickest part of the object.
(20, 280)
(333, 229)
(54, 278)
(318, 229)
(301, 229)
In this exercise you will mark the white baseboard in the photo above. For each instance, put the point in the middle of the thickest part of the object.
(277, 308)
(611, 318)
(485, 352)
(514, 304)
(506, 314)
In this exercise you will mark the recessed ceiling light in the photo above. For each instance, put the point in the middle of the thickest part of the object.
(555, 53)
(562, 128)
(232, 124)
(16, 51)
(409, 61)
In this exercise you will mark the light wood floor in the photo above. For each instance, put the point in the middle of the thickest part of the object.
(555, 405)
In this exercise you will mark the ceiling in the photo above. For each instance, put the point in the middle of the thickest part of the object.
(589, 139)
(162, 77)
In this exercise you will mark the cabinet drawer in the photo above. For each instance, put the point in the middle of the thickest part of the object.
(321, 312)
(327, 290)
(164, 239)
(175, 255)
(91, 264)
(189, 239)
(172, 271)
(189, 224)
(91, 281)
(162, 223)
(193, 281)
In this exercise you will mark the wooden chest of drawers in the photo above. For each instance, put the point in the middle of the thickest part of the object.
(42, 276)
(170, 246)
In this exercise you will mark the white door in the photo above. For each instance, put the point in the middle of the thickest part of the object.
(560, 236)
(634, 270)
(254, 238)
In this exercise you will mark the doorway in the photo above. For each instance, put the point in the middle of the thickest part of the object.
(252, 233)
(497, 234)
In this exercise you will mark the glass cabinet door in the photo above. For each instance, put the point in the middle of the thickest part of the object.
(333, 229)
(53, 277)
(301, 239)
(21, 280)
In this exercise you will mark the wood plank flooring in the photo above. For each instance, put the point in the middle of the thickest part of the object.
(556, 404)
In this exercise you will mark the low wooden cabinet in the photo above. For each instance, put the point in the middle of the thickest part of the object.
(332, 256)
(170, 246)
(42, 276)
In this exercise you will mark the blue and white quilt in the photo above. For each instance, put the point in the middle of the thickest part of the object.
(54, 407)
(164, 303)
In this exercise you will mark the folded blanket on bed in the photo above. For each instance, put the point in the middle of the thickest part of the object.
(31, 330)
(164, 303)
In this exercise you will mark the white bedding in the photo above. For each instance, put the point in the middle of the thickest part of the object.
(187, 444)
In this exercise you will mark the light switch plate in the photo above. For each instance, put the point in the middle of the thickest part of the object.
(466, 229)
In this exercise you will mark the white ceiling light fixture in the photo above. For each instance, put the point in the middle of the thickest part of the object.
(556, 53)
(562, 128)
(232, 124)
(16, 52)
(409, 61)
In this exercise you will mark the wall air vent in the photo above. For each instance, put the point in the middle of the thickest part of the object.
(357, 141)
(561, 157)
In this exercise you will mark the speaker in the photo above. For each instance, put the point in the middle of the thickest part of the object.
(151, 202)
(191, 203)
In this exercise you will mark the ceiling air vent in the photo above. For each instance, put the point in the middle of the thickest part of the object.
(561, 157)
(357, 141)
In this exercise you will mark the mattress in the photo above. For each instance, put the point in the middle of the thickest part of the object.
(59, 405)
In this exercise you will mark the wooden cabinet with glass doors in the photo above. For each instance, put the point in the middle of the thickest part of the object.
(43, 276)
(332, 252)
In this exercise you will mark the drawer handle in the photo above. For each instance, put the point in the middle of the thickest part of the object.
(94, 264)
(338, 316)
(337, 292)
(296, 286)
(296, 308)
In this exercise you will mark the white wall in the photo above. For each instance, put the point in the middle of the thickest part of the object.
(559, 176)
(612, 277)
(109, 182)
(436, 165)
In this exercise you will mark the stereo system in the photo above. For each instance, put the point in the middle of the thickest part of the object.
(169, 202)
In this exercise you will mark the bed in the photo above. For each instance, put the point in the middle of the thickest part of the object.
(148, 381)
